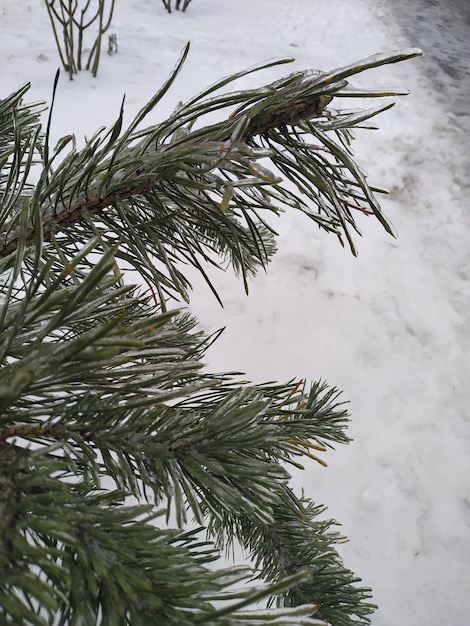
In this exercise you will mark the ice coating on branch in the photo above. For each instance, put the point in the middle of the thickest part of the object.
(310, 76)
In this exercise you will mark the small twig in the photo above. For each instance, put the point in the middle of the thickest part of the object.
(96, 61)
(81, 29)
(354, 206)
(51, 13)
(96, 49)
(69, 36)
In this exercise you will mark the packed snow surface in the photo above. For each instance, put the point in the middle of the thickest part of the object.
(390, 328)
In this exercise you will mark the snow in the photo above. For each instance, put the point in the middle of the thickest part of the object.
(389, 327)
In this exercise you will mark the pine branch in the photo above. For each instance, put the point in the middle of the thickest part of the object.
(299, 538)
(99, 557)
(101, 386)
(140, 181)
(102, 394)
(214, 172)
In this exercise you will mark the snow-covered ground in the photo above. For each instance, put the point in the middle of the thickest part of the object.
(390, 328)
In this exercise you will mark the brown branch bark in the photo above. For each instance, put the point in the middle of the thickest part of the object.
(25, 430)
(8, 498)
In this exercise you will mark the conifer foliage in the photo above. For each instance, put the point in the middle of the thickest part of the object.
(114, 439)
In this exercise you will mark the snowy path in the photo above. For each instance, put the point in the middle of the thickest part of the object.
(390, 328)
(442, 27)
